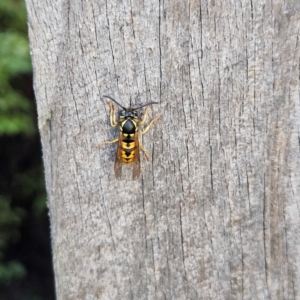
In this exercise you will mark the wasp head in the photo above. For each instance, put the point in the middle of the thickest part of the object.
(128, 114)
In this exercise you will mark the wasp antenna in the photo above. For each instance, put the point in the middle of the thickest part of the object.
(145, 105)
(114, 101)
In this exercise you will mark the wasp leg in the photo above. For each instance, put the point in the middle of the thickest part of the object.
(144, 151)
(108, 142)
(145, 115)
(149, 125)
(112, 114)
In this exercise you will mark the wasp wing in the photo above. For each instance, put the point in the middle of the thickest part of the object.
(118, 161)
(137, 160)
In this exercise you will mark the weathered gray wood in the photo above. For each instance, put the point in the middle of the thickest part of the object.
(215, 215)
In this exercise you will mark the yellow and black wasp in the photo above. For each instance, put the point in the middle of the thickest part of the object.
(128, 140)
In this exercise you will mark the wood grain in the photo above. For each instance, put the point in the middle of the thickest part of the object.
(215, 214)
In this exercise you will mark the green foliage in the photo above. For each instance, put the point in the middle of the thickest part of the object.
(31, 184)
(10, 271)
(15, 109)
(15, 118)
(14, 54)
(25, 257)
(10, 220)
(13, 15)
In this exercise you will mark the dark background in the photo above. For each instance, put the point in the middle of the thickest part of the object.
(25, 249)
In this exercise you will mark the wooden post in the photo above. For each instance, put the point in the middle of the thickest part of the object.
(215, 214)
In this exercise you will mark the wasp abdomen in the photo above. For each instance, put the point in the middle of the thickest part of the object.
(128, 146)
(128, 151)
(128, 131)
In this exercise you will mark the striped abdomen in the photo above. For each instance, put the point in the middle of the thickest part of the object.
(128, 128)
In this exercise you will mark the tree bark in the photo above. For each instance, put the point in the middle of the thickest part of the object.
(215, 215)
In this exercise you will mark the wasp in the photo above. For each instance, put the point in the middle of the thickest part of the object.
(128, 140)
